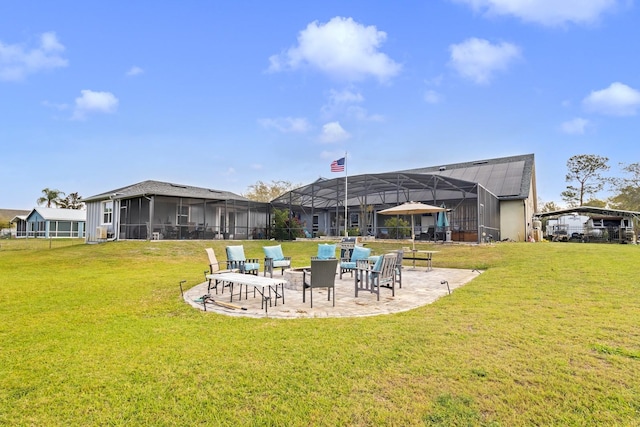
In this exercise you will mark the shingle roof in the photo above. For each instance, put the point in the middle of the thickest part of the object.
(506, 177)
(158, 188)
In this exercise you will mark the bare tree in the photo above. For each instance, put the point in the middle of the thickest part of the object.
(627, 189)
(263, 192)
(585, 169)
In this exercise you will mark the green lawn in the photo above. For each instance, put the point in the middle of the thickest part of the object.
(98, 335)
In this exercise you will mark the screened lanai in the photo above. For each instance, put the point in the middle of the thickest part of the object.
(329, 206)
(165, 211)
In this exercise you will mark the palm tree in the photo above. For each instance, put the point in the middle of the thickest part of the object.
(50, 196)
(72, 201)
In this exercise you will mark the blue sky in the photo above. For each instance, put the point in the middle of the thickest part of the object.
(99, 95)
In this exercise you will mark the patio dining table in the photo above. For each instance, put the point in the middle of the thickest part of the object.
(420, 255)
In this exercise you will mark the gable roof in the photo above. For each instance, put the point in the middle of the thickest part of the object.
(158, 188)
(506, 177)
(53, 214)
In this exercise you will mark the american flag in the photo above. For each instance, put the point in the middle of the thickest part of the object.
(337, 165)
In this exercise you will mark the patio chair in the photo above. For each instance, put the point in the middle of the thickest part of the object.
(274, 258)
(380, 275)
(214, 268)
(321, 275)
(398, 269)
(326, 251)
(349, 264)
(346, 247)
(236, 259)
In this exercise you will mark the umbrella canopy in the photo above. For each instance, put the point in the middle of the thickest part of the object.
(411, 208)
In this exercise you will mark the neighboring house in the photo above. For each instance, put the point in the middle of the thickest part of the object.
(51, 223)
(492, 199)
(13, 216)
(161, 210)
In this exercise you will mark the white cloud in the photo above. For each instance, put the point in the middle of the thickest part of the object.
(432, 97)
(345, 103)
(286, 124)
(359, 113)
(478, 59)
(134, 71)
(17, 61)
(345, 97)
(332, 132)
(545, 12)
(59, 107)
(616, 100)
(94, 102)
(577, 126)
(341, 48)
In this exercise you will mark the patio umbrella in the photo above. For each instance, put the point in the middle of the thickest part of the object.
(412, 208)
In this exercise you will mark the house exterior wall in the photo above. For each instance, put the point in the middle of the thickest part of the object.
(512, 220)
(96, 223)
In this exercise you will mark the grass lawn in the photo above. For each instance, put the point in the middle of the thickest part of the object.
(98, 335)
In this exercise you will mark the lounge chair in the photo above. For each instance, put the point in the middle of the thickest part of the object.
(274, 258)
(214, 267)
(321, 275)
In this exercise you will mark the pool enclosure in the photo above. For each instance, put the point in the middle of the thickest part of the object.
(350, 205)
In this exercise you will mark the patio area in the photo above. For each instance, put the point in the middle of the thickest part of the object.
(419, 287)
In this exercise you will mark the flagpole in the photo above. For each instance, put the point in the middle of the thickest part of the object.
(346, 233)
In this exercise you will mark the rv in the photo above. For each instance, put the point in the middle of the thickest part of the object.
(566, 227)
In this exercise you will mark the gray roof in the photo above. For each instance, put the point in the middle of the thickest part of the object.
(158, 188)
(506, 177)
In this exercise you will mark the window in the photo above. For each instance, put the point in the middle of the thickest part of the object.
(107, 212)
(183, 215)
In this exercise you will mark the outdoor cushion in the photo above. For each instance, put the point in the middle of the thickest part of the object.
(326, 251)
(359, 252)
(282, 263)
(378, 265)
(273, 252)
(250, 266)
(348, 264)
(235, 253)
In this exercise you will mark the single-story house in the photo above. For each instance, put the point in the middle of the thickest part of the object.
(493, 199)
(51, 223)
(161, 210)
(12, 216)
